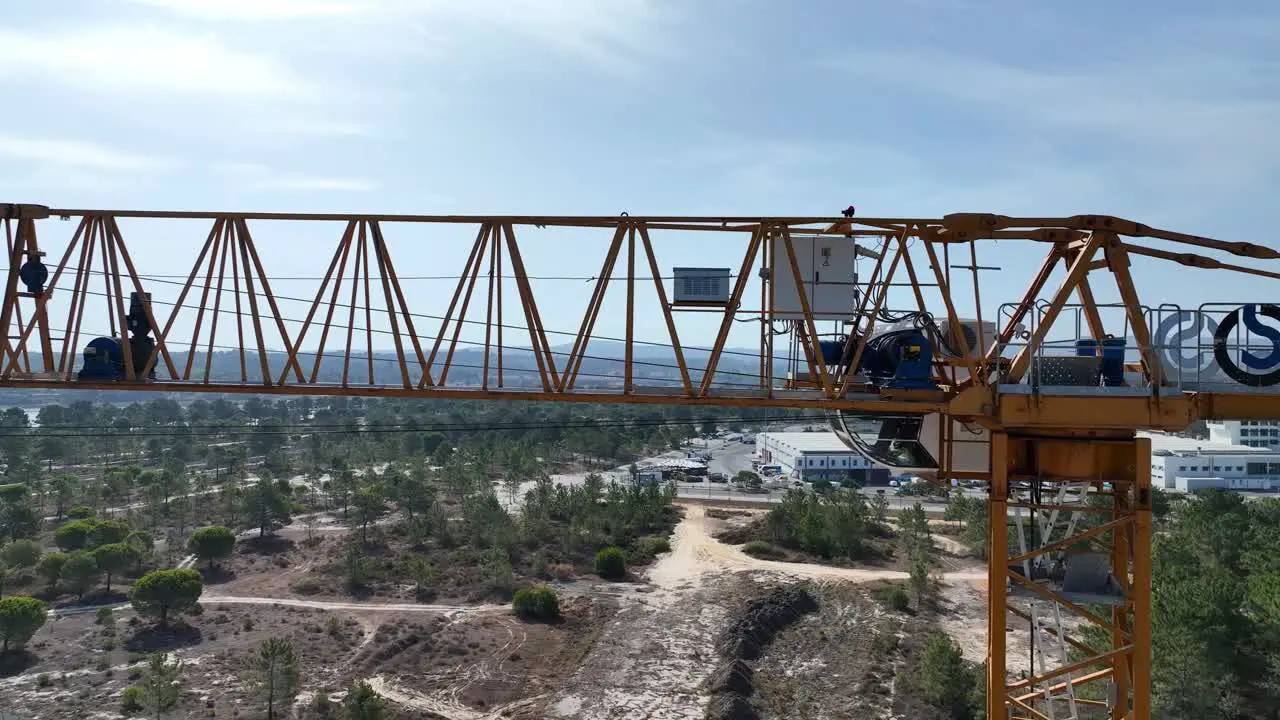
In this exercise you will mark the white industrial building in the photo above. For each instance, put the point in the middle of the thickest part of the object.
(1189, 464)
(1250, 433)
(814, 456)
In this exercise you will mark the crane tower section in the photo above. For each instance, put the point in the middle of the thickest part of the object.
(883, 324)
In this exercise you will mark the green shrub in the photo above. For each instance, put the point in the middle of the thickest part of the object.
(106, 616)
(307, 586)
(536, 603)
(945, 678)
(21, 553)
(81, 512)
(651, 545)
(885, 641)
(894, 597)
(131, 700)
(43, 680)
(761, 549)
(611, 563)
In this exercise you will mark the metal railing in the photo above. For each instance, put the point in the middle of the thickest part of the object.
(1061, 360)
(1218, 346)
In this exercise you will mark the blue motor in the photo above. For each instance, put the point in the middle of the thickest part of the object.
(104, 357)
(832, 351)
(103, 360)
(900, 359)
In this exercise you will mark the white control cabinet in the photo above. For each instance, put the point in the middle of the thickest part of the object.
(827, 272)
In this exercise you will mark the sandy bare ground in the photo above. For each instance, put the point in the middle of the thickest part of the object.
(705, 553)
(444, 706)
(653, 657)
(653, 660)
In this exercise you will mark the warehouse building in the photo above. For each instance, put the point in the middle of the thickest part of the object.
(1250, 433)
(1188, 465)
(816, 456)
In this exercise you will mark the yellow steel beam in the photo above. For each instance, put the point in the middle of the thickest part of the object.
(1046, 458)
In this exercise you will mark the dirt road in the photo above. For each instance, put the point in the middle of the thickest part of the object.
(446, 707)
(446, 610)
(695, 550)
(654, 659)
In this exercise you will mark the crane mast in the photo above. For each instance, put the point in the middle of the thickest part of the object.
(1041, 399)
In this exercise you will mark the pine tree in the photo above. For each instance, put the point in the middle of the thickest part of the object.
(161, 688)
(277, 668)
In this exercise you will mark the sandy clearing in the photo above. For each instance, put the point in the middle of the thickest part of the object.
(705, 553)
(653, 660)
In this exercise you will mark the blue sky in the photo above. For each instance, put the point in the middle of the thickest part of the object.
(1162, 112)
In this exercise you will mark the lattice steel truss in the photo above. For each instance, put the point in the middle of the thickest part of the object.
(1042, 436)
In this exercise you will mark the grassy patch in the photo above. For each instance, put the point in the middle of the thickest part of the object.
(763, 550)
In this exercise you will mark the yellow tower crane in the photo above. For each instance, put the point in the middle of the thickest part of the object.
(1042, 399)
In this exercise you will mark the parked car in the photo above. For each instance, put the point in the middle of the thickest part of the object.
(718, 478)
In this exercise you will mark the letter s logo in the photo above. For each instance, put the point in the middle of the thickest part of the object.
(1179, 333)
(1261, 363)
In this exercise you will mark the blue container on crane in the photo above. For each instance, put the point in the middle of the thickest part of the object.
(1112, 357)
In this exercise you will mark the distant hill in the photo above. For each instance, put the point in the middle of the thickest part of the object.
(602, 368)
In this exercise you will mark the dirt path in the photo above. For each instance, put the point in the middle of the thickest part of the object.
(651, 661)
(702, 552)
(447, 708)
(654, 659)
(446, 610)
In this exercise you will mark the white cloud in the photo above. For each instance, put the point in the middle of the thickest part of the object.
(267, 178)
(75, 154)
(45, 164)
(302, 182)
(254, 10)
(613, 35)
(144, 57)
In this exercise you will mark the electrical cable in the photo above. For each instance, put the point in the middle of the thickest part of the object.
(473, 343)
(471, 366)
(331, 354)
(339, 305)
